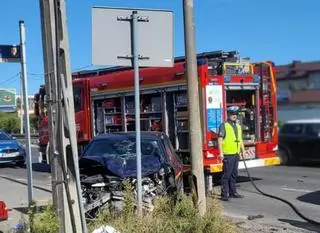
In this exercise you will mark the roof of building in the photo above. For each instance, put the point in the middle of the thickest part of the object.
(297, 69)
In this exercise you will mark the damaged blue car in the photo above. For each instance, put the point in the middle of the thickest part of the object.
(111, 159)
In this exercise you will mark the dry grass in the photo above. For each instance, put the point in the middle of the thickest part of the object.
(181, 217)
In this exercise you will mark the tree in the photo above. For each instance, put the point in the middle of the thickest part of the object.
(18, 103)
(10, 122)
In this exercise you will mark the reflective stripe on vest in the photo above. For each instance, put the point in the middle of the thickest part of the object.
(230, 145)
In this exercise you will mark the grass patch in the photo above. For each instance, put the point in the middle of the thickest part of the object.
(168, 216)
(39, 219)
(179, 217)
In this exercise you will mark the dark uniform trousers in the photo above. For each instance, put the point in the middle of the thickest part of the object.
(230, 173)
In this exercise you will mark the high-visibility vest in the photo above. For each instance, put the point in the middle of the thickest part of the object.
(231, 144)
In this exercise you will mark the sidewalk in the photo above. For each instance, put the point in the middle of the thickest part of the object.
(15, 194)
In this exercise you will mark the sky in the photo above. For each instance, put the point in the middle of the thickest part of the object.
(277, 30)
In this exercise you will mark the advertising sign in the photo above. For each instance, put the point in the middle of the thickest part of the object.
(7, 100)
(214, 100)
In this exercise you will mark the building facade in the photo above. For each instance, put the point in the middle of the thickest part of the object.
(298, 90)
(30, 103)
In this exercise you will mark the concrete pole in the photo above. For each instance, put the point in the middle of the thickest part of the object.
(193, 104)
(47, 15)
(26, 109)
(67, 137)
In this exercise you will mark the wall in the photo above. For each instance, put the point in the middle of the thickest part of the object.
(314, 80)
(294, 84)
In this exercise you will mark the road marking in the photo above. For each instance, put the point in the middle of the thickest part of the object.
(298, 190)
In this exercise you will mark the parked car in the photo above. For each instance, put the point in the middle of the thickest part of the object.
(11, 151)
(299, 141)
(110, 159)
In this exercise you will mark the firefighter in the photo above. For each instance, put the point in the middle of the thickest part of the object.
(230, 146)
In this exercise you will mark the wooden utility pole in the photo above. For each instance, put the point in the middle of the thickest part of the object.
(195, 135)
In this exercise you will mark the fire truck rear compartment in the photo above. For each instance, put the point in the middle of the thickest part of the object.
(246, 100)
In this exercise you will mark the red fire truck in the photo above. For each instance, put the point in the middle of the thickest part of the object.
(104, 102)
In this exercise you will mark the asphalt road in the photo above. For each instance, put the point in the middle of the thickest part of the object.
(13, 183)
(299, 185)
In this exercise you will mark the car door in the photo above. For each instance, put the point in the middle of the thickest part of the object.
(174, 159)
(312, 137)
(292, 139)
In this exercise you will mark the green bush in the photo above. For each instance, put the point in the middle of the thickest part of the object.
(9, 122)
(40, 219)
(45, 221)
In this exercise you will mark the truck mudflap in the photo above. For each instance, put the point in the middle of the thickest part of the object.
(214, 168)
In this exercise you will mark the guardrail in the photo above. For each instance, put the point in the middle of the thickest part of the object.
(21, 138)
(23, 135)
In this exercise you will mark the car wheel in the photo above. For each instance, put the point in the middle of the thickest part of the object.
(21, 163)
(284, 156)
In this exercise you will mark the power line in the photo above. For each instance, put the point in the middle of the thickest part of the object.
(74, 70)
(40, 74)
(84, 67)
(11, 78)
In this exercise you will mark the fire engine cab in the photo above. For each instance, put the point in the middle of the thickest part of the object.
(104, 103)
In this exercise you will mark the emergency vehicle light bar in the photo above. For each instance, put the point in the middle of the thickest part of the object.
(237, 68)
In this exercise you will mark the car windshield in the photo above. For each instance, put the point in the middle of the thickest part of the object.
(124, 148)
(4, 136)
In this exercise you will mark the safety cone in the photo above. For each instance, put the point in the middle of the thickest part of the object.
(3, 211)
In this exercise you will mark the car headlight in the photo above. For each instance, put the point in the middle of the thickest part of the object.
(22, 151)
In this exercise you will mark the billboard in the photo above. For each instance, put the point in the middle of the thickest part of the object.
(8, 100)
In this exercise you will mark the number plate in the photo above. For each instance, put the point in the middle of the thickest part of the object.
(10, 155)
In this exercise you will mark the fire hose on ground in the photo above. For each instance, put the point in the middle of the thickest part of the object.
(294, 208)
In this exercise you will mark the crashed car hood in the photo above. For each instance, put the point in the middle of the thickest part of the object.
(127, 167)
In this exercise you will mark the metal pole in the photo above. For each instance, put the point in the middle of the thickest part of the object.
(26, 107)
(193, 104)
(21, 106)
(135, 60)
